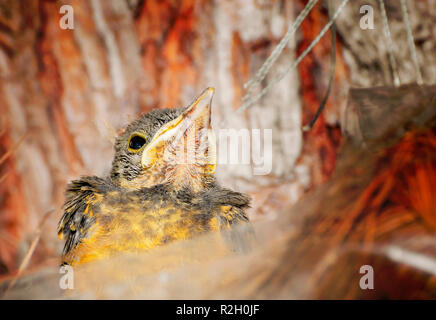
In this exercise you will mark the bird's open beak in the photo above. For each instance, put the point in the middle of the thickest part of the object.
(189, 133)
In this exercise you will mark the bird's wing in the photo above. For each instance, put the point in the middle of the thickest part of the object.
(82, 196)
(235, 226)
(236, 229)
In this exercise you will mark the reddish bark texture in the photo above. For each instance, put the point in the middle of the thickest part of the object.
(166, 34)
(323, 141)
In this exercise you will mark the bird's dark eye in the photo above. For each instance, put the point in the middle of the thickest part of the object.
(136, 142)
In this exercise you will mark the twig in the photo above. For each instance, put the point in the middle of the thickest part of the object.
(411, 42)
(30, 252)
(12, 150)
(392, 61)
(332, 74)
(261, 73)
(248, 101)
(3, 177)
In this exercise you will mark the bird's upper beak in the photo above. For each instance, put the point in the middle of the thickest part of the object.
(187, 138)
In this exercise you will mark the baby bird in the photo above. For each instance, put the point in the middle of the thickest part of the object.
(161, 189)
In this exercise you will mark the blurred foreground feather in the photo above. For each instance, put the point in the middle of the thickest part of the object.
(378, 209)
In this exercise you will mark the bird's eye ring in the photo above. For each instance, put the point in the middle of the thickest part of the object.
(136, 142)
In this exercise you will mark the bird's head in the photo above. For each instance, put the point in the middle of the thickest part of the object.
(171, 146)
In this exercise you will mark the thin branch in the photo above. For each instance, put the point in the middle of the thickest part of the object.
(12, 150)
(250, 100)
(411, 43)
(30, 252)
(331, 77)
(264, 69)
(392, 61)
(3, 177)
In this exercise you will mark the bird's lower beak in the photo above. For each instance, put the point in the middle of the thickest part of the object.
(189, 132)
